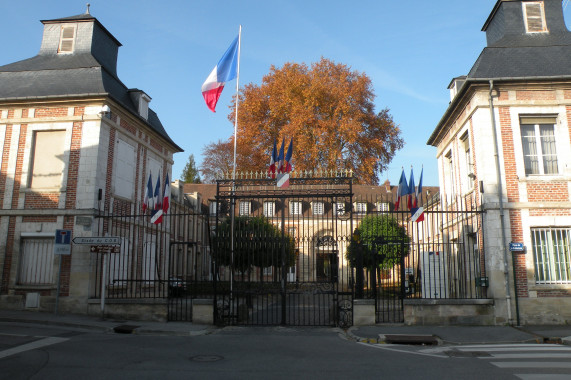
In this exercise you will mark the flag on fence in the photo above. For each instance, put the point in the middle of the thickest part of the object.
(157, 213)
(417, 213)
(223, 72)
(281, 158)
(147, 200)
(411, 189)
(166, 195)
(418, 190)
(273, 160)
(287, 162)
(402, 189)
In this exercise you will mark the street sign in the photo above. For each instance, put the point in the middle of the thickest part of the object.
(62, 243)
(517, 247)
(98, 240)
(105, 249)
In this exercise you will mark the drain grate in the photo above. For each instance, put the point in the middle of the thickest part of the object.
(206, 358)
(125, 329)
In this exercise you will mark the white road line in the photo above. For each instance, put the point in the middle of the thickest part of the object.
(532, 364)
(542, 376)
(535, 348)
(527, 356)
(384, 347)
(31, 346)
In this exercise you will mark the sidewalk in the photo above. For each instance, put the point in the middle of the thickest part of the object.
(107, 325)
(448, 335)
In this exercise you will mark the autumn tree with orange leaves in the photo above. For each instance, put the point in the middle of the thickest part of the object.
(328, 109)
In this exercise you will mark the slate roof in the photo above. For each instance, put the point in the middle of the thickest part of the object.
(516, 55)
(69, 76)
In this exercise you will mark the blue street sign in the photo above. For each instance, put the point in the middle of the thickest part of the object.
(62, 244)
(516, 247)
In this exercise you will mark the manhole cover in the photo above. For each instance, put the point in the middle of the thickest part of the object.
(206, 358)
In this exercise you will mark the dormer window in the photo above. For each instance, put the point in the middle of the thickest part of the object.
(534, 15)
(67, 39)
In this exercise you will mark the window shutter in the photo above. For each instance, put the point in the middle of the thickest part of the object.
(534, 17)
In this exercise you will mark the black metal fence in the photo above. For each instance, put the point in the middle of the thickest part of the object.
(285, 264)
(297, 253)
(170, 259)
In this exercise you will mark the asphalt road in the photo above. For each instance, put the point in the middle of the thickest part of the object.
(39, 352)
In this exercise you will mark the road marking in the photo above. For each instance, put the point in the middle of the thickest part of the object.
(31, 346)
(542, 376)
(384, 347)
(532, 365)
(528, 356)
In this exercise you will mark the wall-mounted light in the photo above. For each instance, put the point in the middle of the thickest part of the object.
(105, 110)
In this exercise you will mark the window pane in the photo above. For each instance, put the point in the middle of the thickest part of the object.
(48, 165)
(551, 255)
(548, 148)
(529, 147)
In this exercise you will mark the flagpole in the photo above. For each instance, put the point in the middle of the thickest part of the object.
(233, 199)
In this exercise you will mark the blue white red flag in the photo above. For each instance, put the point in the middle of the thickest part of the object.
(223, 72)
(273, 161)
(281, 158)
(166, 195)
(157, 213)
(418, 193)
(287, 162)
(402, 189)
(411, 189)
(147, 200)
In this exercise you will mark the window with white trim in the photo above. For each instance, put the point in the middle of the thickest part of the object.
(245, 208)
(213, 206)
(361, 208)
(48, 160)
(269, 208)
(551, 255)
(36, 261)
(67, 39)
(318, 208)
(538, 145)
(468, 171)
(449, 184)
(295, 208)
(383, 206)
(534, 16)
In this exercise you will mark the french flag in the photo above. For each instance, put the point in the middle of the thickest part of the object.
(166, 195)
(273, 160)
(281, 158)
(157, 213)
(402, 189)
(224, 71)
(147, 201)
(287, 162)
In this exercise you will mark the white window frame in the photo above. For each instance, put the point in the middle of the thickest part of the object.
(551, 255)
(361, 208)
(538, 24)
(245, 208)
(383, 206)
(213, 207)
(66, 39)
(295, 208)
(468, 175)
(449, 184)
(269, 209)
(538, 145)
(36, 261)
(318, 207)
(40, 158)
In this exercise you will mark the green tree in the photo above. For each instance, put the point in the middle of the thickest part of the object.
(257, 243)
(382, 240)
(190, 172)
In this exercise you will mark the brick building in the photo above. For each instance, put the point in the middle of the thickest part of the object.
(74, 140)
(504, 142)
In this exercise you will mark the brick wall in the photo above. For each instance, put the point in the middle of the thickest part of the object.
(512, 187)
(547, 192)
(50, 112)
(520, 265)
(4, 166)
(41, 200)
(536, 95)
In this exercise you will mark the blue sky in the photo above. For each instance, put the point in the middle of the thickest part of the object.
(410, 50)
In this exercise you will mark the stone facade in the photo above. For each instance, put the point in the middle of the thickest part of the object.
(528, 109)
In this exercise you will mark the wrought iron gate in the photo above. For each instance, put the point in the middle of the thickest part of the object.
(280, 259)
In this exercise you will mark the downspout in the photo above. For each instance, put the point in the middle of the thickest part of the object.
(502, 223)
